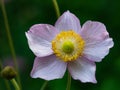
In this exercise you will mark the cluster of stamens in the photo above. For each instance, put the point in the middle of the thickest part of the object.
(68, 45)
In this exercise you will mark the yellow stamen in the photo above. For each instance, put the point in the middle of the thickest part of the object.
(68, 45)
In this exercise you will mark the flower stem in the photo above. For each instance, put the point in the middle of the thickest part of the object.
(56, 8)
(69, 82)
(0, 65)
(44, 85)
(10, 38)
(15, 84)
(7, 84)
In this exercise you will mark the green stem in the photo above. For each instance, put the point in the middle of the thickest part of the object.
(56, 8)
(15, 84)
(44, 85)
(7, 84)
(69, 82)
(0, 65)
(10, 38)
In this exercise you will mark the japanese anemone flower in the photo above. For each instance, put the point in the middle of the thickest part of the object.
(67, 45)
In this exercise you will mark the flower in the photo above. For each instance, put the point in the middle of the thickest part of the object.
(67, 45)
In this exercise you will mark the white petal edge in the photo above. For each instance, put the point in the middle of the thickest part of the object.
(83, 70)
(68, 21)
(48, 68)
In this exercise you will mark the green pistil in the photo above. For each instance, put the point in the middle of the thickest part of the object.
(68, 47)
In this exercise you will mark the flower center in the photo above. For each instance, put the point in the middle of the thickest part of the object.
(68, 45)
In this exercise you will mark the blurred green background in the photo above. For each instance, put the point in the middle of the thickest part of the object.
(22, 14)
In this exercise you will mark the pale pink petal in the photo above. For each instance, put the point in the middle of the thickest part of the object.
(39, 39)
(68, 21)
(96, 52)
(93, 32)
(48, 68)
(83, 70)
(97, 41)
(44, 31)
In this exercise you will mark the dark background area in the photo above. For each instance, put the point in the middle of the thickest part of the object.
(22, 14)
